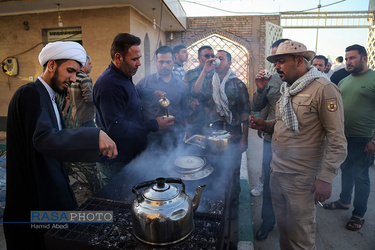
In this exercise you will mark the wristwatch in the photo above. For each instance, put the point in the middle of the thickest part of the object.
(373, 141)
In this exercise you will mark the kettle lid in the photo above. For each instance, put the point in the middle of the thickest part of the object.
(161, 191)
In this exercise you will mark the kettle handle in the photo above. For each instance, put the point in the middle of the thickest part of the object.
(141, 185)
(175, 180)
(216, 123)
(159, 181)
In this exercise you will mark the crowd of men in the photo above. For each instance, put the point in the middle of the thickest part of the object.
(302, 112)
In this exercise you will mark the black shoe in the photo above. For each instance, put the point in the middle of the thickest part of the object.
(262, 232)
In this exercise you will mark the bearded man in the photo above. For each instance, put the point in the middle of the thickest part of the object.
(308, 144)
(224, 97)
(118, 106)
(38, 144)
(358, 95)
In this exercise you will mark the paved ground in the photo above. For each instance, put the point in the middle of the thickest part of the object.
(331, 232)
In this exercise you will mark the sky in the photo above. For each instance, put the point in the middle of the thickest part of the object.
(331, 42)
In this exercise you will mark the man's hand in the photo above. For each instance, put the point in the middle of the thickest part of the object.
(370, 149)
(159, 94)
(208, 65)
(107, 146)
(261, 80)
(322, 190)
(256, 123)
(165, 122)
(197, 86)
(194, 104)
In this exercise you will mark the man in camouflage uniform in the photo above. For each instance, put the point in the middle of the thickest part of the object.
(196, 116)
(211, 93)
(225, 97)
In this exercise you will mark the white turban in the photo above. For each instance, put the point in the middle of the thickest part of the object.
(63, 50)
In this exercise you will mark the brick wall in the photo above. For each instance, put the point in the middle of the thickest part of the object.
(99, 27)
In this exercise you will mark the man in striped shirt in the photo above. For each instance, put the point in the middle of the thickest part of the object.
(81, 98)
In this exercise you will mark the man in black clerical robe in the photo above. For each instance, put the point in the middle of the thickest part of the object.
(38, 144)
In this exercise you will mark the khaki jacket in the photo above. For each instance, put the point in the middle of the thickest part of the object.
(321, 146)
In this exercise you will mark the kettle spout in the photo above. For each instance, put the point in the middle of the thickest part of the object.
(197, 197)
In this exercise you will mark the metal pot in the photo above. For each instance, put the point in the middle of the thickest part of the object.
(163, 214)
(216, 143)
(218, 139)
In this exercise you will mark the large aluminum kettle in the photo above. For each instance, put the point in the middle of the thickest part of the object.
(163, 214)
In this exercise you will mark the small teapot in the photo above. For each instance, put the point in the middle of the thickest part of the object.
(164, 102)
(163, 214)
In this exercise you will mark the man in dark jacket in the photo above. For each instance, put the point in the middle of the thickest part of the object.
(176, 93)
(38, 144)
(118, 106)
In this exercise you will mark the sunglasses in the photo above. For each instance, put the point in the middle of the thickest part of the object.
(208, 56)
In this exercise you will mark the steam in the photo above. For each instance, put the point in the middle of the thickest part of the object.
(157, 160)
